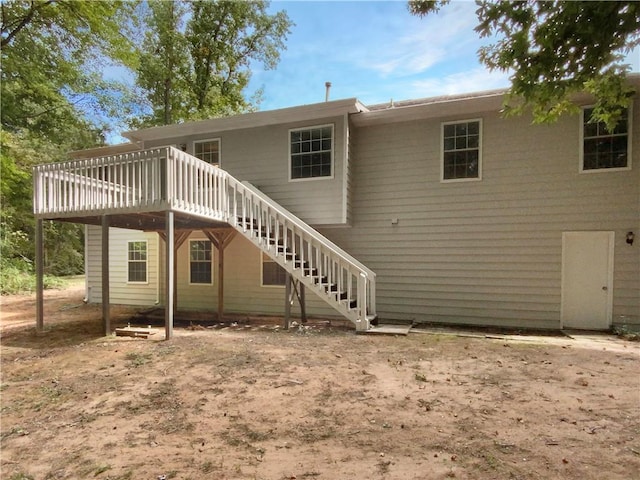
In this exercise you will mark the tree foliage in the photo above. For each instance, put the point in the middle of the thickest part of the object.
(52, 55)
(197, 56)
(556, 49)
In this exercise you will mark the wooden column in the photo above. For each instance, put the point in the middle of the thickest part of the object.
(39, 276)
(169, 275)
(179, 239)
(287, 300)
(105, 276)
(302, 301)
(294, 289)
(220, 238)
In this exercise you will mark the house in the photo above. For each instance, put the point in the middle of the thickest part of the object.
(435, 210)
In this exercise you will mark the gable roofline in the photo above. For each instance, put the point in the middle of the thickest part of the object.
(264, 118)
(451, 106)
(441, 106)
(116, 149)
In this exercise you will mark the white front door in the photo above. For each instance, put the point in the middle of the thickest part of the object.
(587, 280)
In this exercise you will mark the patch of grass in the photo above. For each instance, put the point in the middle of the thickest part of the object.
(21, 476)
(627, 333)
(101, 469)
(138, 359)
(208, 467)
(420, 377)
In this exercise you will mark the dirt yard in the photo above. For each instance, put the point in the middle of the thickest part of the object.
(252, 402)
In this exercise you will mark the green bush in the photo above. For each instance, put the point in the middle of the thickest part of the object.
(14, 280)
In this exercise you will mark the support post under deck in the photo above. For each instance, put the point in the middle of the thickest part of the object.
(287, 300)
(169, 276)
(39, 276)
(105, 276)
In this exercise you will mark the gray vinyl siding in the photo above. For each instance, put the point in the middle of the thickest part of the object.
(243, 292)
(485, 252)
(121, 292)
(261, 157)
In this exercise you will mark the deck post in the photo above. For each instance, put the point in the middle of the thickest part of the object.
(220, 239)
(220, 283)
(302, 301)
(39, 276)
(287, 300)
(169, 276)
(105, 276)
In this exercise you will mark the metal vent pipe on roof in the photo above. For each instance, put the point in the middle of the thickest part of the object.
(328, 89)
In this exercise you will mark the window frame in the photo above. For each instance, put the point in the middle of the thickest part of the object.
(266, 258)
(629, 134)
(332, 152)
(207, 140)
(211, 262)
(479, 148)
(145, 261)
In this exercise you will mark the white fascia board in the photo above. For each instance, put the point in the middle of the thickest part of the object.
(250, 120)
(441, 107)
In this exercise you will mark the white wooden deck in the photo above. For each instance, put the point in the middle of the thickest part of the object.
(158, 188)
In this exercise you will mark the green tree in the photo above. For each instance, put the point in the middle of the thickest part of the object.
(164, 69)
(556, 49)
(53, 52)
(200, 70)
(50, 82)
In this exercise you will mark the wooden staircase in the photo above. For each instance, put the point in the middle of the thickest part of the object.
(312, 259)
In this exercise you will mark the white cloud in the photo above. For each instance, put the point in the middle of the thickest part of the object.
(474, 80)
(426, 42)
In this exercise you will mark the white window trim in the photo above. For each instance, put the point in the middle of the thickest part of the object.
(333, 151)
(581, 144)
(200, 284)
(204, 140)
(146, 282)
(480, 141)
(262, 255)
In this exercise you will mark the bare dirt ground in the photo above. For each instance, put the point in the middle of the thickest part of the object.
(251, 402)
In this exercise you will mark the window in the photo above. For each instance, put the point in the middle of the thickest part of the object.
(137, 260)
(461, 150)
(311, 152)
(200, 262)
(602, 149)
(272, 273)
(207, 150)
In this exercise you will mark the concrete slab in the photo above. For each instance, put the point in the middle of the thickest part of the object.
(389, 330)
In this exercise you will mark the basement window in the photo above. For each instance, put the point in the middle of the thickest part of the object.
(200, 262)
(137, 262)
(602, 149)
(461, 150)
(311, 152)
(273, 275)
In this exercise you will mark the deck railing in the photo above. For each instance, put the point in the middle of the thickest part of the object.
(168, 179)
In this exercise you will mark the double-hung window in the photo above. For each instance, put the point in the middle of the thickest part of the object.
(273, 275)
(461, 150)
(207, 150)
(200, 262)
(137, 262)
(311, 152)
(602, 149)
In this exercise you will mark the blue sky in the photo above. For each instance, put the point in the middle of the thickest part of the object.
(376, 51)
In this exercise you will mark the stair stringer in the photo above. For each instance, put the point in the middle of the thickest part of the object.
(324, 268)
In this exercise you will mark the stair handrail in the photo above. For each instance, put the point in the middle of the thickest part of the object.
(305, 227)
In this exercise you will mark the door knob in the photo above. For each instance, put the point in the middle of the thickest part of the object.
(605, 288)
